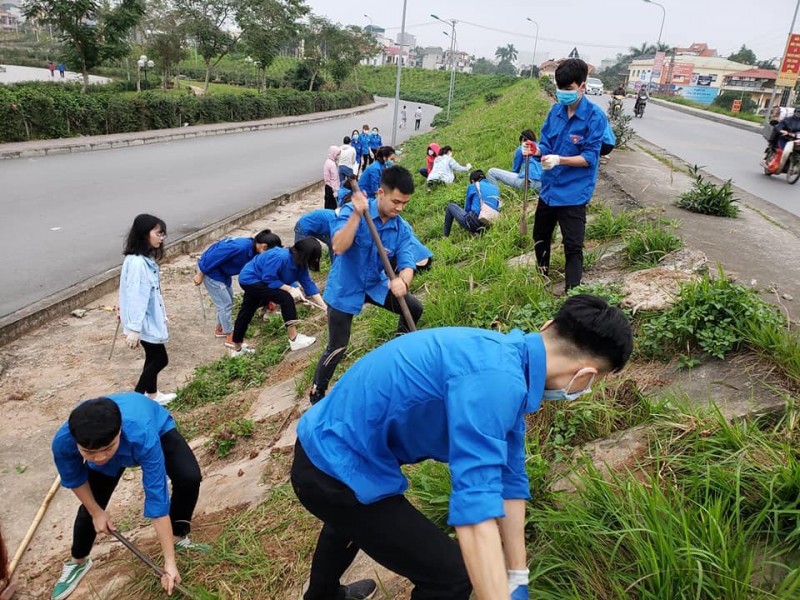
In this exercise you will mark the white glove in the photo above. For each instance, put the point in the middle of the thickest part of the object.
(132, 340)
(469, 166)
(550, 161)
(296, 293)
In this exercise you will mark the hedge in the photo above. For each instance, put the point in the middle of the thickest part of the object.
(46, 111)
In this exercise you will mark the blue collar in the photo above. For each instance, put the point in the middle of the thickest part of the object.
(536, 359)
(582, 112)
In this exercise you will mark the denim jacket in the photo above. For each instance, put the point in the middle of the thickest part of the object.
(141, 307)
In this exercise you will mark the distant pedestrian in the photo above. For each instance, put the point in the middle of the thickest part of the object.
(61, 69)
(403, 117)
(219, 263)
(269, 277)
(330, 175)
(52, 67)
(141, 306)
(417, 118)
(366, 153)
(347, 160)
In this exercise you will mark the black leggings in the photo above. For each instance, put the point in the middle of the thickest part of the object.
(182, 470)
(257, 295)
(391, 531)
(339, 324)
(155, 360)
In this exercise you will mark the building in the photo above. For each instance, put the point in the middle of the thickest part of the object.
(8, 21)
(757, 84)
(694, 76)
(406, 40)
(607, 63)
(375, 31)
(696, 49)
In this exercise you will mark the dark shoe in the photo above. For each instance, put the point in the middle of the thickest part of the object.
(360, 590)
(315, 395)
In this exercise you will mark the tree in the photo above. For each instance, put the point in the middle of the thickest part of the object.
(744, 56)
(92, 32)
(643, 51)
(506, 53)
(484, 66)
(770, 63)
(506, 68)
(163, 38)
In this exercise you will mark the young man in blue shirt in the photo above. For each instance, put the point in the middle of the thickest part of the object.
(103, 437)
(516, 176)
(357, 274)
(455, 395)
(569, 148)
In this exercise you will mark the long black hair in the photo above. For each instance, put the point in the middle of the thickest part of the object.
(138, 240)
(306, 254)
(265, 236)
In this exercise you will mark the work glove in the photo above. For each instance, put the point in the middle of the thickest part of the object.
(469, 166)
(296, 293)
(529, 148)
(550, 161)
(132, 340)
(518, 583)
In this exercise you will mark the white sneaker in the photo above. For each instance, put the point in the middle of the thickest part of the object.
(164, 399)
(301, 341)
(244, 350)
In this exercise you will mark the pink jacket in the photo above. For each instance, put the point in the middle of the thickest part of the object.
(330, 172)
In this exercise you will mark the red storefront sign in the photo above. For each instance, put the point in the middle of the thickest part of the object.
(790, 65)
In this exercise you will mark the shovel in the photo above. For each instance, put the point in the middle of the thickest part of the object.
(146, 560)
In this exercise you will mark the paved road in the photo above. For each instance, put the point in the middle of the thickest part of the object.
(64, 217)
(15, 74)
(725, 151)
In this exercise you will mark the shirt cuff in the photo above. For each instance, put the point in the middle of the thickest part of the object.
(471, 507)
(154, 509)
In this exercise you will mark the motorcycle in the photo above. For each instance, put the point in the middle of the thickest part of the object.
(615, 106)
(638, 109)
(786, 161)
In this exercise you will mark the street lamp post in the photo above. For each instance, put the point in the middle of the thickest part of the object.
(775, 87)
(452, 23)
(371, 25)
(399, 71)
(142, 65)
(658, 43)
(535, 45)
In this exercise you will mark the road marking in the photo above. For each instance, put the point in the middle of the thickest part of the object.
(55, 228)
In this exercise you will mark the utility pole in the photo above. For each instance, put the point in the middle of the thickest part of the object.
(535, 45)
(775, 87)
(399, 71)
(452, 23)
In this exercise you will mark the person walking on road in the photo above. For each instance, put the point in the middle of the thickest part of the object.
(269, 277)
(103, 437)
(347, 160)
(366, 151)
(572, 136)
(141, 305)
(219, 263)
(459, 396)
(357, 275)
(61, 69)
(51, 66)
(330, 176)
(403, 117)
(417, 118)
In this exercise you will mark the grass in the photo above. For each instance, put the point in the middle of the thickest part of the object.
(707, 198)
(606, 225)
(661, 158)
(650, 242)
(712, 108)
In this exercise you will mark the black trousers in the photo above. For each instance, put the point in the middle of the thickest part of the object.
(606, 149)
(155, 360)
(339, 325)
(330, 198)
(392, 532)
(416, 124)
(255, 296)
(572, 221)
(182, 470)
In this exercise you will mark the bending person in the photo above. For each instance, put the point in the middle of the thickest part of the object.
(445, 167)
(316, 224)
(479, 191)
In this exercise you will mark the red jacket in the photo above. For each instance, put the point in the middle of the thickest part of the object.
(435, 147)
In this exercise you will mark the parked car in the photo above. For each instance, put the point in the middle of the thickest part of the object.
(594, 86)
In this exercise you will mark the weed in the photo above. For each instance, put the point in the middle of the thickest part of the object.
(646, 245)
(492, 97)
(228, 434)
(707, 198)
(606, 225)
(660, 158)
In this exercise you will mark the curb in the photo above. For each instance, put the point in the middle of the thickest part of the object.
(36, 148)
(710, 116)
(20, 322)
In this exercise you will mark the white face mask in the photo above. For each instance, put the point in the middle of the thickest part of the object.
(564, 394)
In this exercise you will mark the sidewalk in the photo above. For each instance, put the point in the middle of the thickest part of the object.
(138, 138)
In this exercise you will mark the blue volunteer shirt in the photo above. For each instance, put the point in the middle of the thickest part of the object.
(275, 267)
(359, 271)
(457, 395)
(143, 424)
(419, 250)
(370, 179)
(534, 166)
(343, 196)
(375, 141)
(609, 137)
(582, 135)
(489, 192)
(317, 222)
(225, 258)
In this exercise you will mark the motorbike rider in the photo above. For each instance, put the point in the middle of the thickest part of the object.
(641, 98)
(777, 139)
(620, 91)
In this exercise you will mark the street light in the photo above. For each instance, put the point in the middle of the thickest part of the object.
(399, 70)
(452, 23)
(535, 44)
(658, 43)
(371, 25)
(142, 64)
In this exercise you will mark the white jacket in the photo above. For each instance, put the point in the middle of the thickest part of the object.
(141, 307)
(444, 168)
(347, 158)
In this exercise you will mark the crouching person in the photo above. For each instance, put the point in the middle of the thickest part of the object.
(457, 395)
(103, 437)
(482, 205)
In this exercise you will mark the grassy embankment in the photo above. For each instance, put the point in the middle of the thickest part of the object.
(712, 108)
(711, 510)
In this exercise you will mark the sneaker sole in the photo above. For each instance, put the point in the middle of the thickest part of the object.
(75, 583)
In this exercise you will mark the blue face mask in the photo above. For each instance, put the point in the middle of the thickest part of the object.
(564, 394)
(355, 138)
(567, 97)
(389, 163)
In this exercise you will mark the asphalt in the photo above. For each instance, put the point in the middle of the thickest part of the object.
(65, 216)
(724, 151)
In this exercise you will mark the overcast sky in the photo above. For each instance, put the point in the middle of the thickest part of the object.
(599, 28)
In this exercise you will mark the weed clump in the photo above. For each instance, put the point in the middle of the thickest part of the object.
(707, 198)
(228, 434)
(651, 241)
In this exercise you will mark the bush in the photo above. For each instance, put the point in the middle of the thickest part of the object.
(708, 198)
(623, 131)
(46, 111)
